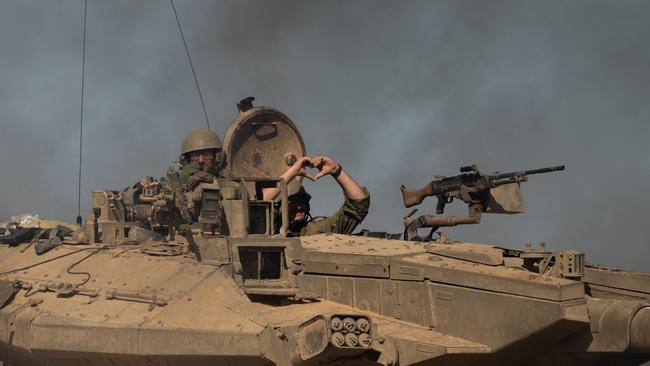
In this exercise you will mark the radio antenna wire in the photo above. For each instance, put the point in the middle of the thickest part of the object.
(81, 119)
(196, 81)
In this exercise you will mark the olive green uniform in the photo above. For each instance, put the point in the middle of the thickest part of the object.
(192, 170)
(344, 221)
(189, 169)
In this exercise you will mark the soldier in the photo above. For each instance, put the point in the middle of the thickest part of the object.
(344, 221)
(202, 156)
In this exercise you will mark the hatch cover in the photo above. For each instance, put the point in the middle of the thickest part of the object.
(262, 142)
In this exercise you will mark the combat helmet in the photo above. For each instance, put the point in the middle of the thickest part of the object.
(202, 139)
(299, 191)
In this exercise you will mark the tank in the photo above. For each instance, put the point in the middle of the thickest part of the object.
(207, 276)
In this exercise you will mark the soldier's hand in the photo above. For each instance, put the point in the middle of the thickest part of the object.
(304, 162)
(325, 165)
(298, 169)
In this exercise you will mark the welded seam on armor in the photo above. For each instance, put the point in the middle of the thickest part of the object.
(426, 280)
(621, 291)
(617, 288)
(346, 276)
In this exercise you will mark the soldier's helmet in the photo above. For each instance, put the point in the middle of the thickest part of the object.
(202, 139)
(300, 192)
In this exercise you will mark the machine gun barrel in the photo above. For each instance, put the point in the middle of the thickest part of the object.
(528, 172)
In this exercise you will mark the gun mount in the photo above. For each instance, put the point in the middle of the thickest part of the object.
(491, 193)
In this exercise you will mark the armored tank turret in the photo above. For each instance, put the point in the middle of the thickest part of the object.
(215, 280)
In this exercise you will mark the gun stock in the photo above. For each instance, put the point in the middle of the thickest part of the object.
(414, 197)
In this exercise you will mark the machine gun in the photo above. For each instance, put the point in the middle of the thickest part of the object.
(496, 193)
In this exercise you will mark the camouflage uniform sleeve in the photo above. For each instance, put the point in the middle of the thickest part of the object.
(344, 221)
(188, 170)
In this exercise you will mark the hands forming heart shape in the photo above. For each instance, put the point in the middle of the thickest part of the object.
(324, 164)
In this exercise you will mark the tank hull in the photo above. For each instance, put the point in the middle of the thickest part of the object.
(126, 307)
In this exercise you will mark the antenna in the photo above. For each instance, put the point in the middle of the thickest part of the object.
(196, 81)
(81, 120)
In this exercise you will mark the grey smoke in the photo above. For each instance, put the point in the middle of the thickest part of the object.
(396, 91)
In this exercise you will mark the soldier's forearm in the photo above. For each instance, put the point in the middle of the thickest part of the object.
(350, 187)
(269, 194)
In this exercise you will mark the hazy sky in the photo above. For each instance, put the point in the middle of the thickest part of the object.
(396, 91)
